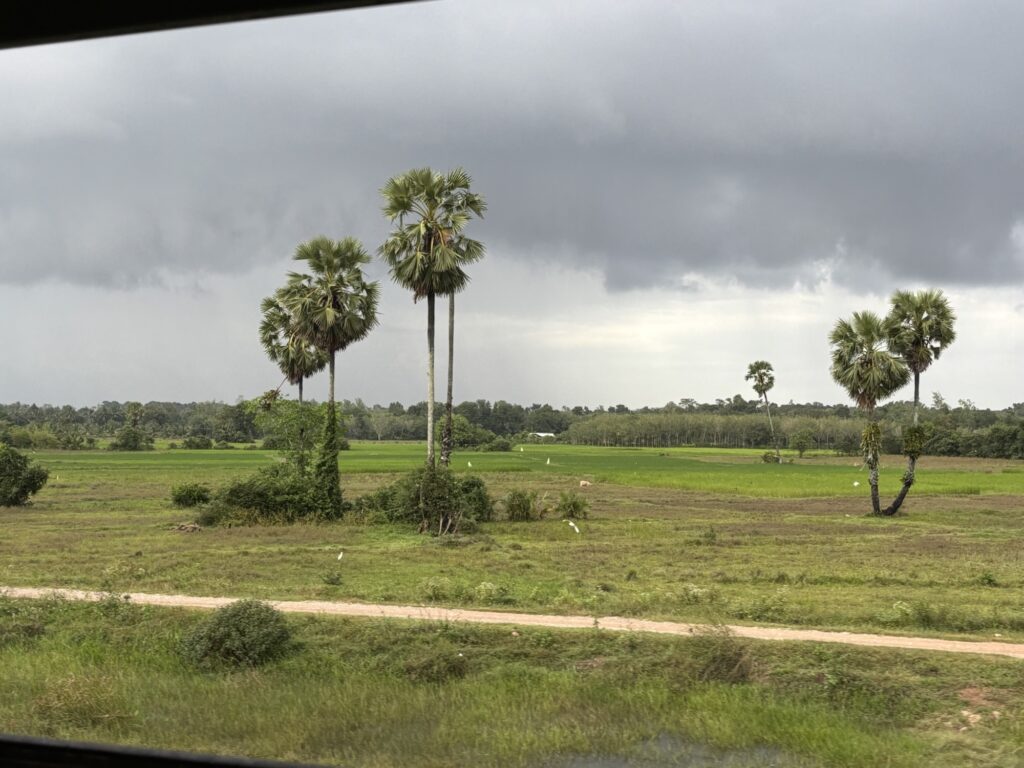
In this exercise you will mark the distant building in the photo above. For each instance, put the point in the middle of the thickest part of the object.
(542, 434)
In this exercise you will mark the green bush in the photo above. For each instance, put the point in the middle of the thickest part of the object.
(197, 443)
(216, 512)
(246, 633)
(131, 439)
(523, 506)
(713, 655)
(19, 477)
(190, 494)
(477, 505)
(280, 493)
(433, 498)
(571, 504)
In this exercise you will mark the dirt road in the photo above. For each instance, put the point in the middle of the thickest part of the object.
(614, 623)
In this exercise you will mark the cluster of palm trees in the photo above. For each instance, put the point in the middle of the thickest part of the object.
(873, 357)
(317, 314)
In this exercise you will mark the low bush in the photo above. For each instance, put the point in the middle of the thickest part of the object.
(713, 655)
(20, 478)
(524, 506)
(280, 493)
(190, 494)
(572, 505)
(247, 633)
(197, 443)
(223, 445)
(433, 498)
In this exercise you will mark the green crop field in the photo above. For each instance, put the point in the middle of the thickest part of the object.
(680, 534)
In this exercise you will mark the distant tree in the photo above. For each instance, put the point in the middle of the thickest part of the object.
(426, 253)
(132, 437)
(333, 307)
(284, 344)
(19, 477)
(863, 365)
(763, 376)
(939, 402)
(801, 441)
(919, 327)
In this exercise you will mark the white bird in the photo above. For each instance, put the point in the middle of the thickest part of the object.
(341, 555)
(573, 525)
(549, 461)
(469, 463)
(856, 483)
(520, 449)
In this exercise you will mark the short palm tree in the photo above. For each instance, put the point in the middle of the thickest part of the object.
(763, 376)
(296, 357)
(426, 253)
(919, 327)
(333, 307)
(863, 365)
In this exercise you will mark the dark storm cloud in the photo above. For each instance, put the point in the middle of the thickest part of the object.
(649, 140)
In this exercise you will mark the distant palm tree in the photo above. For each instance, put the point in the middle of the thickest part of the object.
(333, 307)
(763, 376)
(296, 357)
(863, 365)
(426, 253)
(919, 327)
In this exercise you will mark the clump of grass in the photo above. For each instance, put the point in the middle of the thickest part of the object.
(713, 655)
(572, 505)
(437, 664)
(435, 588)
(524, 506)
(79, 701)
(247, 633)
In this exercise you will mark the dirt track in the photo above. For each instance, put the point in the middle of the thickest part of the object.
(615, 623)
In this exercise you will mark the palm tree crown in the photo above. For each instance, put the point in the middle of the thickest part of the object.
(861, 361)
(280, 336)
(426, 252)
(919, 327)
(334, 306)
(763, 375)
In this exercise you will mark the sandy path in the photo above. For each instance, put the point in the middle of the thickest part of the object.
(615, 623)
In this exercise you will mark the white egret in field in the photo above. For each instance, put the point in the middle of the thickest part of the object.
(469, 464)
(520, 449)
(341, 555)
(573, 525)
(549, 461)
(856, 483)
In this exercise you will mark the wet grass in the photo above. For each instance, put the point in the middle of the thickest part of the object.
(355, 692)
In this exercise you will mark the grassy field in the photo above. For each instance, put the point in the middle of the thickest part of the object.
(682, 534)
(366, 693)
(672, 534)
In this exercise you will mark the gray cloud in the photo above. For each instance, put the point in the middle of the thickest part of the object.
(771, 144)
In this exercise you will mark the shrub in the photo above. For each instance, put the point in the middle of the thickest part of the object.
(197, 443)
(214, 513)
(476, 503)
(523, 506)
(434, 498)
(190, 494)
(223, 445)
(246, 633)
(280, 493)
(571, 504)
(714, 655)
(19, 477)
(131, 439)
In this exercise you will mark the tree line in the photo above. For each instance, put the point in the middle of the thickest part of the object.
(955, 430)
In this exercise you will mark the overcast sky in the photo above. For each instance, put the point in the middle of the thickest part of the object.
(674, 190)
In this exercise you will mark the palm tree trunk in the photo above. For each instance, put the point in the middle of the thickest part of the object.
(430, 379)
(871, 458)
(908, 476)
(330, 395)
(771, 428)
(300, 390)
(446, 432)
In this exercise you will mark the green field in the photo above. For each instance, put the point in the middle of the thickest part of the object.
(674, 534)
(664, 539)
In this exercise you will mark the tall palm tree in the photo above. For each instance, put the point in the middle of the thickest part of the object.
(333, 307)
(863, 365)
(426, 253)
(279, 334)
(763, 376)
(919, 327)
